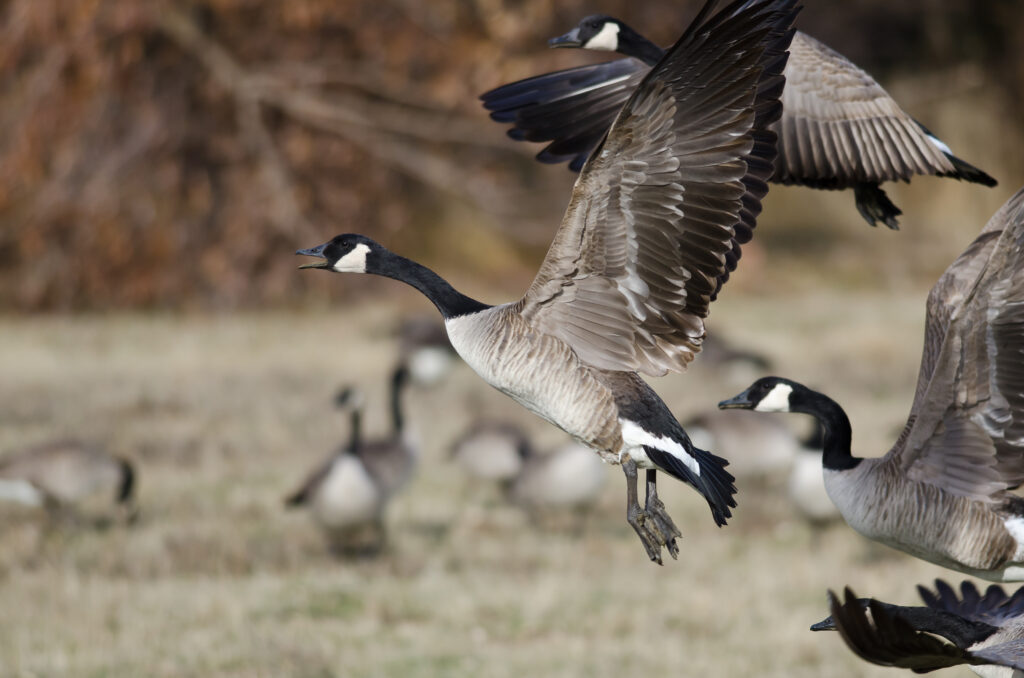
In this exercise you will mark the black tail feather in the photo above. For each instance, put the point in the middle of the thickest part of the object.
(714, 482)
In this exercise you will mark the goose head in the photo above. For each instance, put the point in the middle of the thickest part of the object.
(597, 31)
(346, 253)
(768, 394)
(349, 398)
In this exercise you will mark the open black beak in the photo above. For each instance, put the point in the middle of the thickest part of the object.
(570, 39)
(740, 402)
(317, 251)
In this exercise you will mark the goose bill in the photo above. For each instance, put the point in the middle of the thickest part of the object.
(740, 402)
(570, 39)
(317, 251)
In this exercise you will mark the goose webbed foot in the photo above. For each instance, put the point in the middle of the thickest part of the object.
(651, 523)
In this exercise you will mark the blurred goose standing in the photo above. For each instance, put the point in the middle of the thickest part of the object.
(653, 227)
(570, 475)
(348, 494)
(64, 473)
(942, 493)
(839, 129)
(985, 632)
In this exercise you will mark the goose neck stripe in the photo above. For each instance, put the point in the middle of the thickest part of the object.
(634, 436)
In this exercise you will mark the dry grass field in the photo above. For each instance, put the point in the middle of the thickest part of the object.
(224, 415)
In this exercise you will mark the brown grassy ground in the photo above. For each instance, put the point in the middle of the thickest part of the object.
(225, 415)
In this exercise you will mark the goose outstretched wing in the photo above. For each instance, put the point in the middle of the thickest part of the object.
(965, 432)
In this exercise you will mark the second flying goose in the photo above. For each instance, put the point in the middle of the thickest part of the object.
(839, 129)
(653, 227)
(942, 493)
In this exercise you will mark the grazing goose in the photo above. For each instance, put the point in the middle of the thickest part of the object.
(653, 227)
(985, 632)
(567, 476)
(62, 474)
(492, 451)
(347, 495)
(942, 491)
(839, 129)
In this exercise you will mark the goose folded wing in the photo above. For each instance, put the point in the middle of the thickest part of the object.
(657, 215)
(966, 428)
(839, 127)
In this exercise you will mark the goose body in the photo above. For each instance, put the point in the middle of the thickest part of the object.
(986, 632)
(349, 493)
(839, 129)
(569, 476)
(653, 228)
(492, 451)
(943, 492)
(64, 473)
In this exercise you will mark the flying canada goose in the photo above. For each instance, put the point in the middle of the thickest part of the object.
(424, 348)
(839, 129)
(63, 474)
(985, 632)
(570, 475)
(942, 491)
(347, 495)
(653, 227)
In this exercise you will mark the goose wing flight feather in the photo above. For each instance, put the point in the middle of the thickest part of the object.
(840, 127)
(657, 215)
(572, 109)
(890, 641)
(994, 608)
(965, 432)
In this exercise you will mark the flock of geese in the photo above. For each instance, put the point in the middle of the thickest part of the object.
(675, 150)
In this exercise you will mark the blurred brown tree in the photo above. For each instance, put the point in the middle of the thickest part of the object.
(173, 154)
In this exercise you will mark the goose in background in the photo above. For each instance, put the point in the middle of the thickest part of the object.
(348, 494)
(839, 129)
(568, 476)
(654, 226)
(491, 451)
(62, 475)
(984, 631)
(942, 493)
(424, 349)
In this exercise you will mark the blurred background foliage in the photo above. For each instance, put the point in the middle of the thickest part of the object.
(173, 155)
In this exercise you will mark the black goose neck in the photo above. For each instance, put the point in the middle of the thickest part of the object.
(399, 378)
(449, 301)
(355, 436)
(961, 632)
(637, 46)
(837, 435)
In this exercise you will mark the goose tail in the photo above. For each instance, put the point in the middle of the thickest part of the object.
(705, 472)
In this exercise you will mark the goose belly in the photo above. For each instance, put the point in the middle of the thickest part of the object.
(922, 520)
(541, 373)
(347, 497)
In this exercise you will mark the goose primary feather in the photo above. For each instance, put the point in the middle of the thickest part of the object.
(943, 492)
(839, 129)
(985, 632)
(654, 225)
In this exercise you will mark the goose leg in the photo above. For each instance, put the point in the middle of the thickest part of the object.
(661, 521)
(646, 526)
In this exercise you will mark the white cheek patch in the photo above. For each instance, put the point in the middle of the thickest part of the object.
(354, 261)
(607, 39)
(777, 399)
